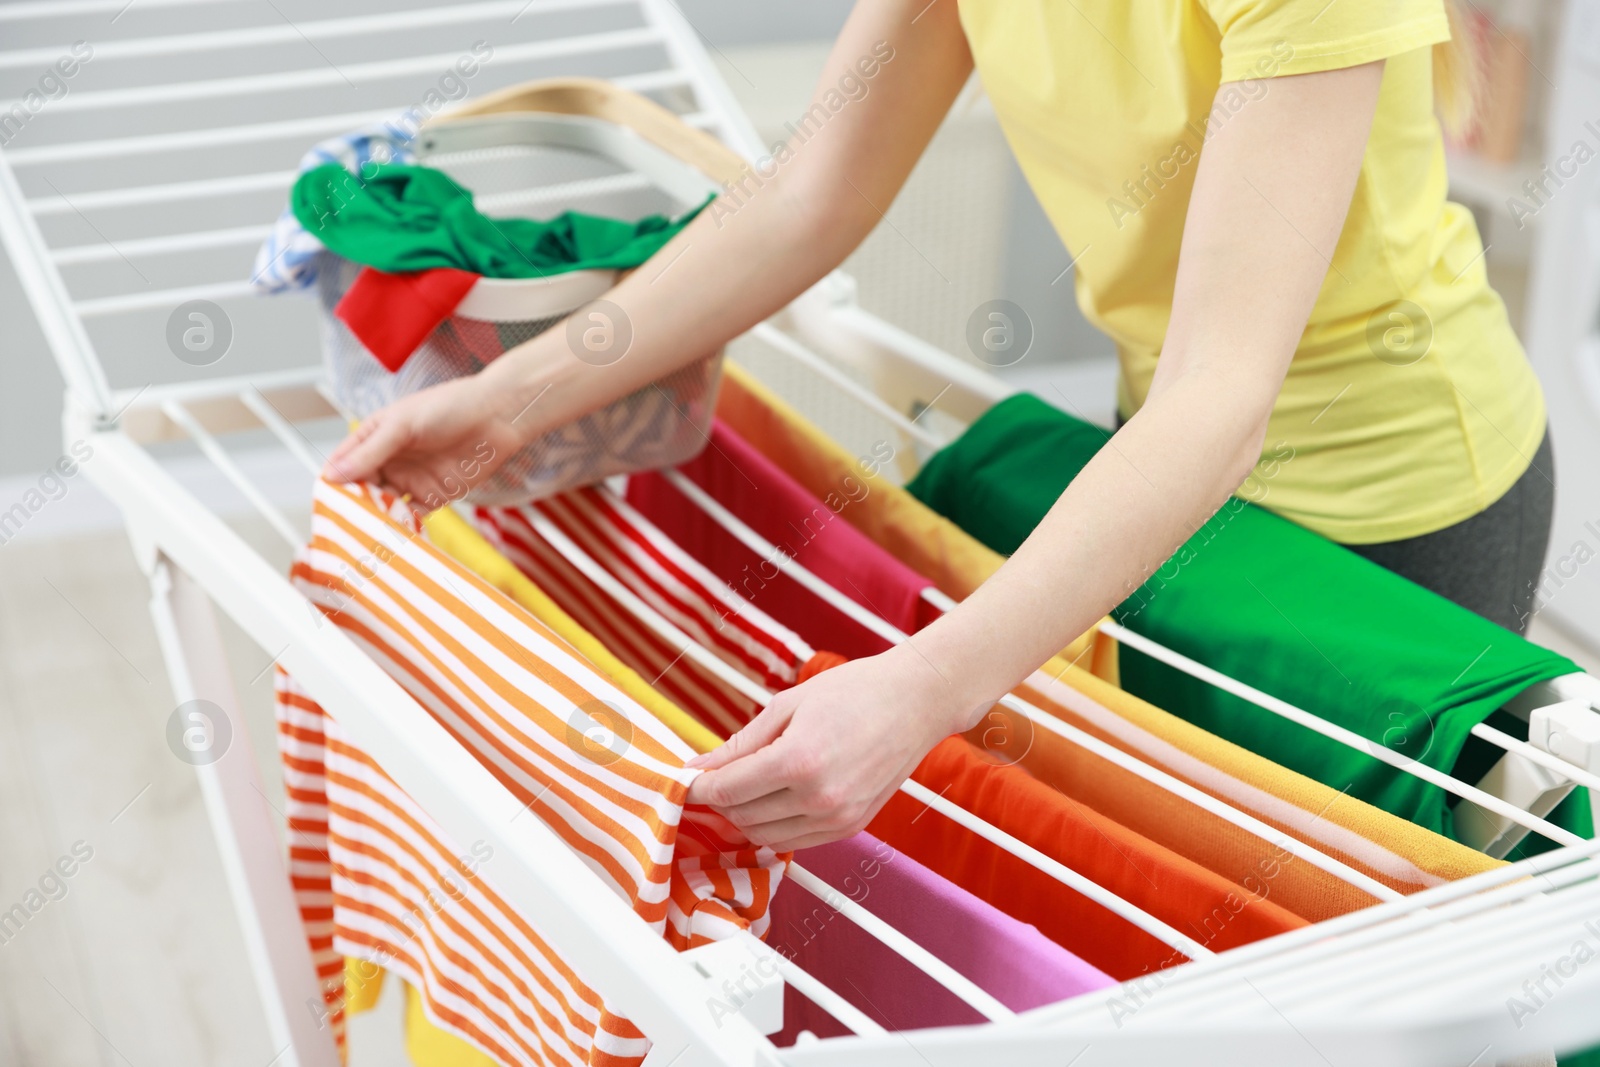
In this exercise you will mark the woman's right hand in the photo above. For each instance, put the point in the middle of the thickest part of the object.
(433, 445)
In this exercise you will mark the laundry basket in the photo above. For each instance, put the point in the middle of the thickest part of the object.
(539, 164)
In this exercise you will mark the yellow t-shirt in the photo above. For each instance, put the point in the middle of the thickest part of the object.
(1409, 404)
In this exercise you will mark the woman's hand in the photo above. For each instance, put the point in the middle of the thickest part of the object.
(822, 758)
(434, 444)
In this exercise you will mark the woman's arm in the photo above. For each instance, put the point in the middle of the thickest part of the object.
(1269, 202)
(726, 271)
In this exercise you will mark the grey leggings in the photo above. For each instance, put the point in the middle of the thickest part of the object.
(1490, 562)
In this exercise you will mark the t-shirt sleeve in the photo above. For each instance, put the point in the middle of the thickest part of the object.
(1267, 38)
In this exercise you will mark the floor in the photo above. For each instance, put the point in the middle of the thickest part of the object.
(140, 961)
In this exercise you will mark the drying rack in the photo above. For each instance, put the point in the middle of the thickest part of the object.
(1419, 980)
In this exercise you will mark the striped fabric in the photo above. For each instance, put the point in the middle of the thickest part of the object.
(379, 881)
(665, 577)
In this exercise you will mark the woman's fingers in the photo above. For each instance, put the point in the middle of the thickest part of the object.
(791, 835)
(779, 804)
(764, 771)
(361, 455)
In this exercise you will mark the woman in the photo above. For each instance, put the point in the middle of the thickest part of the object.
(1252, 189)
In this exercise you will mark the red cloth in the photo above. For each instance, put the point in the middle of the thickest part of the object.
(392, 314)
(811, 531)
(1196, 902)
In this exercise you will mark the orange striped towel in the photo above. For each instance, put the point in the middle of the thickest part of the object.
(379, 881)
(632, 550)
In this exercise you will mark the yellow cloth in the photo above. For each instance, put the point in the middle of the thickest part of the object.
(1107, 105)
(927, 542)
(430, 1046)
(363, 983)
(1394, 851)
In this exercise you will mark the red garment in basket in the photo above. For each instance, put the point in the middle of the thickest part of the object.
(392, 314)
(378, 880)
(665, 577)
(1196, 902)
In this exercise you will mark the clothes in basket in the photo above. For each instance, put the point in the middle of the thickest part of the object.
(288, 258)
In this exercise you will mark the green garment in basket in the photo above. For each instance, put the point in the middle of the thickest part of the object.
(409, 218)
(1276, 606)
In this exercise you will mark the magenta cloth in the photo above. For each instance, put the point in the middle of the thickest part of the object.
(1008, 959)
(773, 504)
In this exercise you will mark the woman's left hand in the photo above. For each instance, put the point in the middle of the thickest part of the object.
(820, 760)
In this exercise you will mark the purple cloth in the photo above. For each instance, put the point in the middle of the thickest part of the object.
(1008, 959)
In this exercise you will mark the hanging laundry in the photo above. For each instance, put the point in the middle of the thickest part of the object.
(807, 529)
(757, 581)
(426, 1044)
(1009, 960)
(924, 540)
(669, 580)
(599, 771)
(424, 245)
(1074, 687)
(1399, 854)
(1196, 902)
(457, 538)
(1277, 607)
(1007, 797)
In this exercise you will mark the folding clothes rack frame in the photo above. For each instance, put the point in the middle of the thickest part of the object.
(1415, 981)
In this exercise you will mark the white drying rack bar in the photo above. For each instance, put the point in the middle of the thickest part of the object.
(691, 649)
(196, 561)
(787, 564)
(1348, 738)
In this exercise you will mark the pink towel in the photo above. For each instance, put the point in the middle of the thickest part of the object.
(812, 531)
(1008, 959)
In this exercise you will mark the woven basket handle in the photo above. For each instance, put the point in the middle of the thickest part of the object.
(598, 99)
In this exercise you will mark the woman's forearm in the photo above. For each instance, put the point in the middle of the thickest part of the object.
(715, 280)
(772, 237)
(1146, 492)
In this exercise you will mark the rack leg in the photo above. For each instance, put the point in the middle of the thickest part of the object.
(241, 820)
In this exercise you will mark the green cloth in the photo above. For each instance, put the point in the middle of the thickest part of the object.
(1276, 606)
(410, 218)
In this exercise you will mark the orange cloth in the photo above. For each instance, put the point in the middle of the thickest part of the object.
(1402, 855)
(406, 896)
(818, 663)
(1196, 902)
